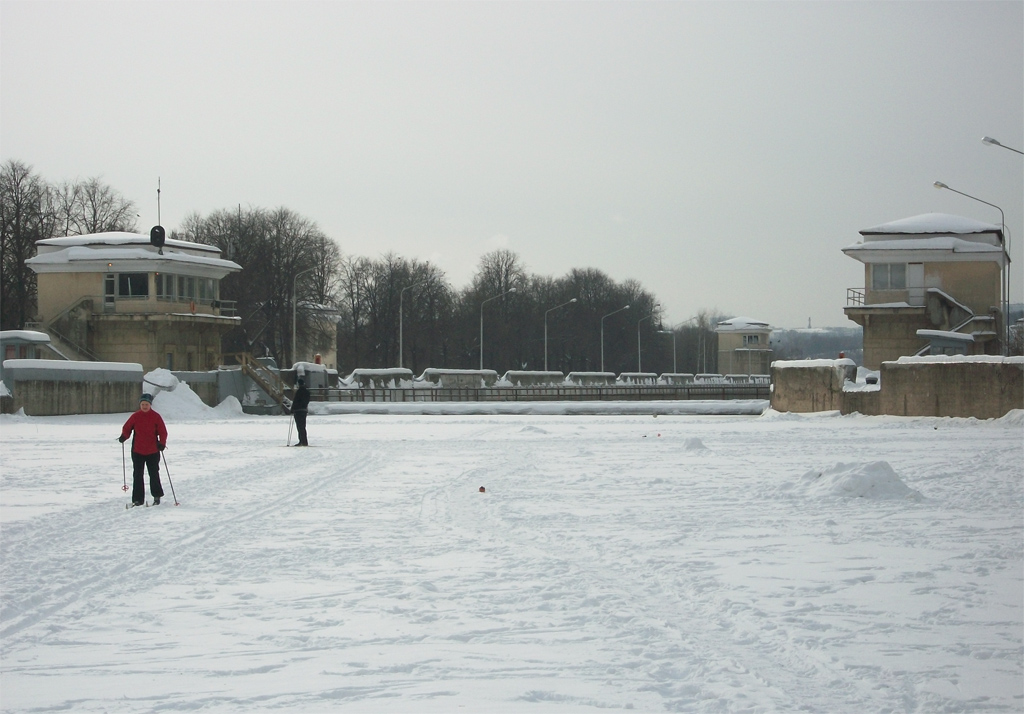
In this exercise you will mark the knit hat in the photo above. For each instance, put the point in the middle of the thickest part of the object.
(146, 397)
(300, 381)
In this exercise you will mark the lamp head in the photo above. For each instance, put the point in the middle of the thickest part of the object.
(573, 300)
(939, 184)
(990, 141)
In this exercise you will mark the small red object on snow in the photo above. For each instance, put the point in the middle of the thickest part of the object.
(483, 490)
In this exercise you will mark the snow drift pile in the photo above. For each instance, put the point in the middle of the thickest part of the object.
(176, 400)
(875, 480)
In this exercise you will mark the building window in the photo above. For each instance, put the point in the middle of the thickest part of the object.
(185, 289)
(133, 285)
(164, 286)
(751, 339)
(889, 276)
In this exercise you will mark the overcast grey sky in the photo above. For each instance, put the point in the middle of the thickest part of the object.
(721, 153)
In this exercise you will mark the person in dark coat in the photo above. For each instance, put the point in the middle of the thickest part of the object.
(300, 408)
(149, 440)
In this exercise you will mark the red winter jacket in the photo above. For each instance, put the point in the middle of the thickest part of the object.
(149, 431)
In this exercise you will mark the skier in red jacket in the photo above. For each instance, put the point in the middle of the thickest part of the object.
(150, 439)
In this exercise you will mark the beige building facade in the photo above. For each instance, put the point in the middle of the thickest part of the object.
(933, 272)
(116, 297)
(744, 346)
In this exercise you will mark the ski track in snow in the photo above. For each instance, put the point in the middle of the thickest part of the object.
(614, 562)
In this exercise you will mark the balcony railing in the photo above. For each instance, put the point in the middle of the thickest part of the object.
(155, 305)
(854, 297)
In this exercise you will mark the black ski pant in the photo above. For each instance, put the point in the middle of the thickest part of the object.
(152, 463)
(300, 426)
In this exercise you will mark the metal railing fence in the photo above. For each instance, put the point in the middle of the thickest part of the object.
(546, 394)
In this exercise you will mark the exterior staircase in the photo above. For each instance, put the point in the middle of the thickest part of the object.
(265, 378)
(69, 331)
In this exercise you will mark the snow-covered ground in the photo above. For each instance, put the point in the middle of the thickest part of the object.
(696, 563)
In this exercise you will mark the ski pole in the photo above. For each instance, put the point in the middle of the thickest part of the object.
(291, 420)
(124, 470)
(173, 495)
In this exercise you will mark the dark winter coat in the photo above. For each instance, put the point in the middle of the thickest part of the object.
(150, 432)
(301, 401)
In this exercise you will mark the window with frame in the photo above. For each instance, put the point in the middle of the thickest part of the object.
(751, 340)
(889, 276)
(131, 285)
(164, 286)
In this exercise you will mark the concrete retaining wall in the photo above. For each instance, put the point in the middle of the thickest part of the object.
(981, 387)
(56, 387)
(868, 403)
(810, 385)
(953, 386)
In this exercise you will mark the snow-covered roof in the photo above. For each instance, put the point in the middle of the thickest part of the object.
(932, 224)
(84, 255)
(121, 238)
(742, 324)
(947, 244)
(120, 252)
(25, 336)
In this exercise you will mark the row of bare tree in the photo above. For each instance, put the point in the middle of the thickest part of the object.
(396, 312)
(390, 311)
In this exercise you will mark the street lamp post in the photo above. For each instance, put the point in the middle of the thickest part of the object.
(602, 331)
(546, 330)
(638, 322)
(401, 298)
(1006, 253)
(510, 290)
(992, 142)
(295, 280)
(673, 333)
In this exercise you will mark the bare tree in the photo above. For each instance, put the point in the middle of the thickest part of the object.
(25, 217)
(355, 276)
(91, 206)
(280, 252)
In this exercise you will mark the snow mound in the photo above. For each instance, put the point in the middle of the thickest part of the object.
(230, 407)
(160, 380)
(1014, 417)
(185, 404)
(4, 392)
(874, 480)
(694, 444)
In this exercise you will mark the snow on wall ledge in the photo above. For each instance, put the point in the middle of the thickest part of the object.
(960, 359)
(792, 363)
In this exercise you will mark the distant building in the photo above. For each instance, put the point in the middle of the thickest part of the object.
(925, 275)
(115, 297)
(744, 346)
